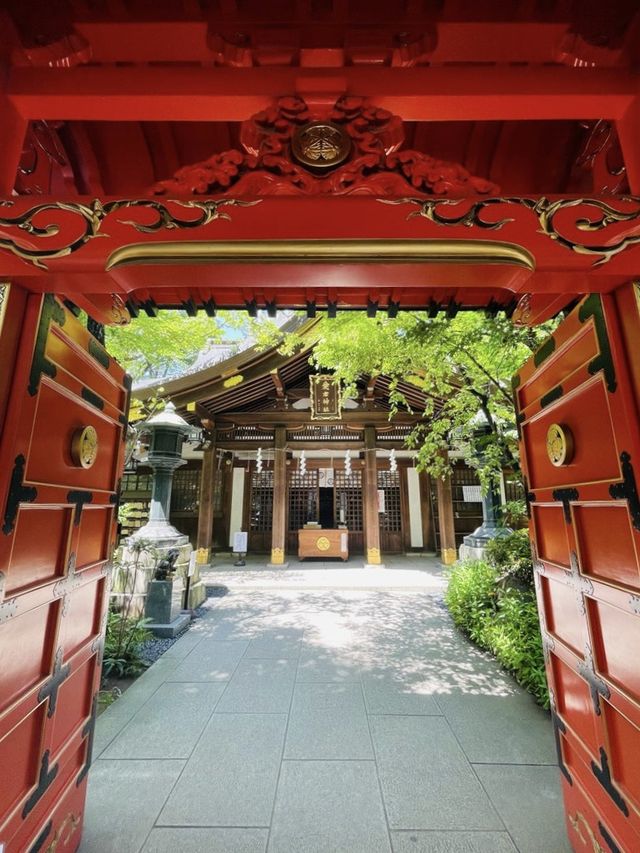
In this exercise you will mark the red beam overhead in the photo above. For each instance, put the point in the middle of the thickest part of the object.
(187, 41)
(344, 252)
(416, 94)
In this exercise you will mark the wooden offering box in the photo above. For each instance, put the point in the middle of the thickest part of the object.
(323, 543)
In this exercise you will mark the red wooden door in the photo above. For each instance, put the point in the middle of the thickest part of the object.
(56, 532)
(581, 388)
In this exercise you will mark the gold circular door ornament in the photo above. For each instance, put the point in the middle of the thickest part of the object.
(323, 544)
(84, 447)
(320, 145)
(559, 445)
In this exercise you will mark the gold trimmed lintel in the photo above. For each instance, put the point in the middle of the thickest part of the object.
(393, 251)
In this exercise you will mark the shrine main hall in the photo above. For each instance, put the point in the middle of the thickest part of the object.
(277, 451)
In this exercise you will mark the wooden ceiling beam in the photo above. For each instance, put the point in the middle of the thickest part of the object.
(369, 399)
(157, 93)
(205, 417)
(186, 40)
(277, 381)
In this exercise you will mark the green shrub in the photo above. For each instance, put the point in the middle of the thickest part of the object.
(122, 646)
(472, 595)
(514, 513)
(513, 636)
(511, 557)
(503, 621)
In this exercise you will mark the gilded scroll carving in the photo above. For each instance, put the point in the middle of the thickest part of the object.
(550, 221)
(87, 219)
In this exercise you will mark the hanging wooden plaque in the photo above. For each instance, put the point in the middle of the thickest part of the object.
(325, 398)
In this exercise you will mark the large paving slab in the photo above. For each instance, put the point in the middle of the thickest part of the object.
(412, 841)
(316, 664)
(260, 686)
(329, 805)
(123, 802)
(325, 714)
(230, 780)
(394, 696)
(171, 725)
(182, 839)
(210, 660)
(529, 800)
(328, 721)
(507, 729)
(426, 779)
(279, 643)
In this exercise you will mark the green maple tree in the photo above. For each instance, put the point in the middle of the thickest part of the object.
(463, 365)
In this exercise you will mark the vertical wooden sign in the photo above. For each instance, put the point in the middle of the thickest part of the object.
(325, 397)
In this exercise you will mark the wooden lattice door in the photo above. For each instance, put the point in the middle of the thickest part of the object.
(577, 402)
(391, 541)
(260, 511)
(60, 460)
(304, 502)
(348, 507)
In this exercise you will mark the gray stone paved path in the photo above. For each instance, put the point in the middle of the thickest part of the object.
(321, 710)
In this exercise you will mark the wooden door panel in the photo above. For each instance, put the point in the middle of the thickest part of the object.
(49, 453)
(57, 526)
(391, 520)
(41, 558)
(585, 526)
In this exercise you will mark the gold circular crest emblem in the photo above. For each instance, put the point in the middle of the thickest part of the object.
(559, 445)
(323, 544)
(320, 145)
(84, 447)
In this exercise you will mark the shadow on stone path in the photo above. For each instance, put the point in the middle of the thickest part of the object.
(346, 719)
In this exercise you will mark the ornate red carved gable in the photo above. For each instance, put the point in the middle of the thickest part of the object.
(375, 165)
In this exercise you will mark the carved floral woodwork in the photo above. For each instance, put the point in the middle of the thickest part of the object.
(89, 218)
(552, 220)
(66, 227)
(44, 167)
(600, 163)
(377, 165)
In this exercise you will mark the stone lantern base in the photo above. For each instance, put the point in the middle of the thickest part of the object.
(474, 545)
(136, 589)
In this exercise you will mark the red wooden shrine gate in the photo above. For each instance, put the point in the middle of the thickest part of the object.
(385, 230)
(68, 400)
(578, 403)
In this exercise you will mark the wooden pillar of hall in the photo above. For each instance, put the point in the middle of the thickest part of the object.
(278, 531)
(446, 523)
(371, 514)
(426, 512)
(205, 505)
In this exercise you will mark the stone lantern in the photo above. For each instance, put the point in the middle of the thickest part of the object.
(167, 432)
(474, 544)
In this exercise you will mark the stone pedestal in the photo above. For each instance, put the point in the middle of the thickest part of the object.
(163, 608)
(159, 606)
(147, 561)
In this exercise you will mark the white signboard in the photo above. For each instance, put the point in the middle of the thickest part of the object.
(192, 564)
(240, 540)
(381, 502)
(325, 477)
(472, 494)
